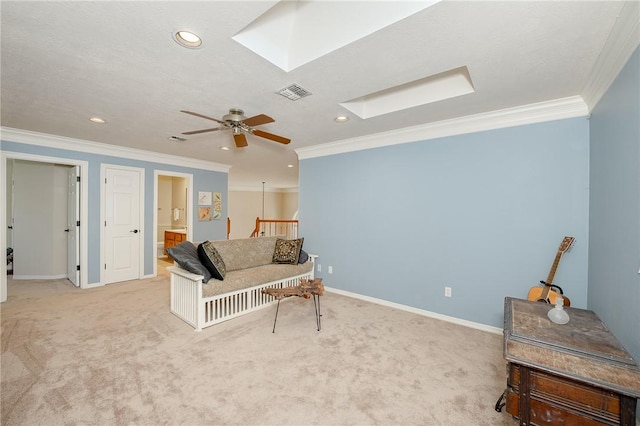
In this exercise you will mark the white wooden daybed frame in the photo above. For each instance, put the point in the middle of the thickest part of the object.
(188, 303)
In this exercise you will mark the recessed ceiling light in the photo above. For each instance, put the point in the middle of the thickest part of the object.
(97, 120)
(290, 166)
(187, 39)
(341, 119)
(224, 148)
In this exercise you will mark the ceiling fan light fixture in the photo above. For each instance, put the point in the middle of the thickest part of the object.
(235, 115)
(239, 125)
(187, 39)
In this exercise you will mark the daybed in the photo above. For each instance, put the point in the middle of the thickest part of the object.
(248, 266)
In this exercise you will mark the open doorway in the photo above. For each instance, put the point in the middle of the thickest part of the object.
(172, 219)
(43, 198)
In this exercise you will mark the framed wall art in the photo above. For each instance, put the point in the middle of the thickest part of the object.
(204, 198)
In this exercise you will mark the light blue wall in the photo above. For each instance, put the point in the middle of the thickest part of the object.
(203, 180)
(614, 255)
(483, 213)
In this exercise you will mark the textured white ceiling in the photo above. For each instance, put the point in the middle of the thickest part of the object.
(64, 62)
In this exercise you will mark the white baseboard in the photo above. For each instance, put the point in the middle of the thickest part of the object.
(93, 285)
(39, 277)
(459, 321)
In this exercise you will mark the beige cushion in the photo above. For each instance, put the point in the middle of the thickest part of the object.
(245, 278)
(245, 253)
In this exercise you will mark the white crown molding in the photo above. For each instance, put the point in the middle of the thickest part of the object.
(253, 188)
(623, 40)
(557, 109)
(9, 134)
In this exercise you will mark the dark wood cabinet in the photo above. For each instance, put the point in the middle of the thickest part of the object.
(173, 238)
(551, 400)
(571, 374)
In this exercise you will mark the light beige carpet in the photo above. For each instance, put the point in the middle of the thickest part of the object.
(115, 355)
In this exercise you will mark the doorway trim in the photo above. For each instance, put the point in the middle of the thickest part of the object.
(188, 213)
(84, 211)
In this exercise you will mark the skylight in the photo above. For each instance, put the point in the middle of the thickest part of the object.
(445, 85)
(292, 33)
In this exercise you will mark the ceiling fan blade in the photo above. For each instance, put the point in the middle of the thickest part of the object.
(202, 116)
(241, 140)
(258, 120)
(270, 136)
(195, 132)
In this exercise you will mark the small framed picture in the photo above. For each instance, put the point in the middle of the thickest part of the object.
(204, 198)
(204, 214)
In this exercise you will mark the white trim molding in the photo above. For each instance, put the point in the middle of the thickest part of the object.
(258, 188)
(84, 211)
(557, 109)
(188, 213)
(9, 134)
(454, 320)
(623, 40)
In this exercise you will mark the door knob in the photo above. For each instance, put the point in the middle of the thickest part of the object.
(135, 231)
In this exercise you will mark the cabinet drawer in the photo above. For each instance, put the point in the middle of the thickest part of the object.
(547, 413)
(558, 400)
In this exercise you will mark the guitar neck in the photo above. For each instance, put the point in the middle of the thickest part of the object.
(554, 267)
(540, 295)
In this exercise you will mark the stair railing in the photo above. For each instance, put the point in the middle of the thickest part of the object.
(273, 227)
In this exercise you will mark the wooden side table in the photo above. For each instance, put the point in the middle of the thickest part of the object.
(306, 289)
(571, 374)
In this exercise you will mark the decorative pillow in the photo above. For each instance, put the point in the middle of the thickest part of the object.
(304, 256)
(212, 260)
(287, 251)
(186, 255)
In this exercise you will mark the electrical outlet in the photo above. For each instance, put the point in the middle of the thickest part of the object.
(330, 269)
(319, 267)
(447, 291)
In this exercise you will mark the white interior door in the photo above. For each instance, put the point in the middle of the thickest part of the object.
(10, 210)
(122, 225)
(73, 226)
(40, 204)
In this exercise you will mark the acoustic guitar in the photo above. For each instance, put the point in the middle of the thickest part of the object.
(546, 292)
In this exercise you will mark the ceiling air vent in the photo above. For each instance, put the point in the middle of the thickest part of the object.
(294, 92)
